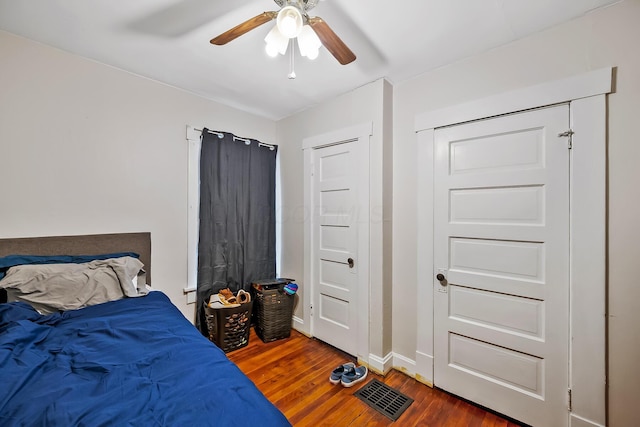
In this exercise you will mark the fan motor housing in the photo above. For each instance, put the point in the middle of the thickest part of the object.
(304, 4)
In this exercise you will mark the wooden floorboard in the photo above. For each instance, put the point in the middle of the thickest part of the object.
(293, 373)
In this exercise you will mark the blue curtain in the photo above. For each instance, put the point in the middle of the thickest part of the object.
(237, 243)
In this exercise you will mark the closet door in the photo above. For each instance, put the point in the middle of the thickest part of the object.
(501, 258)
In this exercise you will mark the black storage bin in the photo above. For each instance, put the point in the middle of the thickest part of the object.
(273, 309)
(229, 328)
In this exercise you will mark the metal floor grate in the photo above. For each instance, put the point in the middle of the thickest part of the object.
(384, 399)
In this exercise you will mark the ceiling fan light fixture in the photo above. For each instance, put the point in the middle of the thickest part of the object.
(271, 50)
(276, 43)
(308, 42)
(289, 21)
(313, 54)
(293, 22)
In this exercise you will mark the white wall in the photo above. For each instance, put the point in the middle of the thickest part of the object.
(86, 148)
(608, 37)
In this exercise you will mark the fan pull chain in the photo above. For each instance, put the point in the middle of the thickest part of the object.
(292, 72)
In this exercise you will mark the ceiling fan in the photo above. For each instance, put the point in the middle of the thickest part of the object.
(293, 21)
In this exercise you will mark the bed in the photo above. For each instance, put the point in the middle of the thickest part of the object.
(128, 361)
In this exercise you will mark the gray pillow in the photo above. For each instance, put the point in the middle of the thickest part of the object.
(58, 287)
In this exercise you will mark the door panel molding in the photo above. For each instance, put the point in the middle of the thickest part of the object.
(587, 96)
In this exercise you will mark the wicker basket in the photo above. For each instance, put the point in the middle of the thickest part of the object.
(229, 327)
(273, 313)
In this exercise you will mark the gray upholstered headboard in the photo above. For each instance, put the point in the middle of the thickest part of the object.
(92, 244)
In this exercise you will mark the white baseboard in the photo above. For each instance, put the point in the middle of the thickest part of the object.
(577, 421)
(298, 325)
(404, 365)
(424, 368)
(381, 365)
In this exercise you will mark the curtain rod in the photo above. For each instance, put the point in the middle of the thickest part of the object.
(237, 138)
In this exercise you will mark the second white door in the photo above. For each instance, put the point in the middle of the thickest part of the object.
(501, 249)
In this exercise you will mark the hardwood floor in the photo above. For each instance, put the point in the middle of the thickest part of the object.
(294, 374)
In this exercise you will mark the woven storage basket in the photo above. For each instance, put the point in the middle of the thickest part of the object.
(229, 327)
(273, 313)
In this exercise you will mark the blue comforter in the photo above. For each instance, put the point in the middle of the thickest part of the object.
(135, 361)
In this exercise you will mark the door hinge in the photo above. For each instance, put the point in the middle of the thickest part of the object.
(568, 134)
(569, 399)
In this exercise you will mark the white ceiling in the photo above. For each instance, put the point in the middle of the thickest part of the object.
(168, 41)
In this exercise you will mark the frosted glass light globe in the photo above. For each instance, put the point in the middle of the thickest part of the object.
(289, 21)
(276, 42)
(308, 42)
(271, 50)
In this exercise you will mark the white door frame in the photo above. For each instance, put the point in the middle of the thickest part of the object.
(360, 134)
(587, 324)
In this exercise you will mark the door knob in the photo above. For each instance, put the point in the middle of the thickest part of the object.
(442, 279)
(350, 262)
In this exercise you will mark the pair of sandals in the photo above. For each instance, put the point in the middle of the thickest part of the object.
(348, 374)
(226, 298)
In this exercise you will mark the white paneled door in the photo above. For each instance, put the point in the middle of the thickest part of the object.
(501, 257)
(335, 240)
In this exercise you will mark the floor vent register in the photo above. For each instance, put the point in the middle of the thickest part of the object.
(384, 399)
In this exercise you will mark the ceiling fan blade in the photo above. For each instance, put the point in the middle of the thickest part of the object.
(243, 28)
(331, 41)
